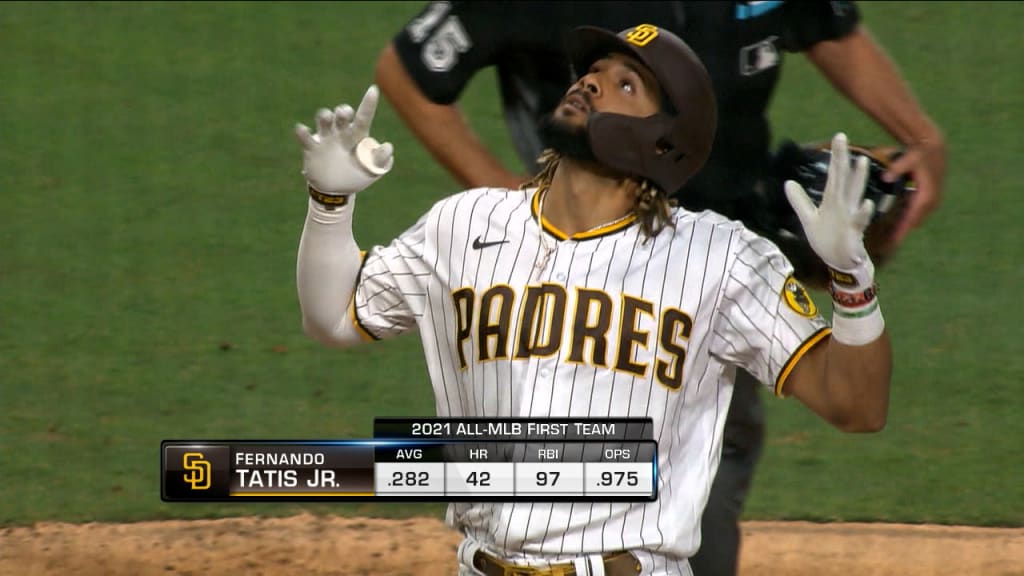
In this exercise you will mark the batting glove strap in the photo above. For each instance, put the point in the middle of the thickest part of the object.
(330, 202)
(331, 215)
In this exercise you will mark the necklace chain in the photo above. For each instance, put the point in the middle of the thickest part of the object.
(548, 249)
(612, 223)
(540, 214)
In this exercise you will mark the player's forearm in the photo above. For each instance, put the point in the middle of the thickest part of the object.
(856, 379)
(326, 272)
(859, 68)
(442, 129)
(847, 385)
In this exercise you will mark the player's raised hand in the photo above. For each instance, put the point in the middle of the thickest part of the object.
(342, 158)
(835, 229)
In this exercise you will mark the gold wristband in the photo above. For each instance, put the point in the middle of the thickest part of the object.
(328, 201)
(842, 278)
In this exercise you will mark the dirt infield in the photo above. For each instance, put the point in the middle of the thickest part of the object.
(314, 545)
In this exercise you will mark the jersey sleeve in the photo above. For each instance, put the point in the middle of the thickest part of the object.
(446, 44)
(390, 292)
(807, 23)
(766, 321)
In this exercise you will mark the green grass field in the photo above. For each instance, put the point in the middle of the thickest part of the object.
(152, 204)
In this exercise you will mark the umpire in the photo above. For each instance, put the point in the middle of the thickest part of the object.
(429, 63)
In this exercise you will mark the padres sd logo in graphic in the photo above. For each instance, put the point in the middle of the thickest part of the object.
(194, 470)
(798, 299)
(198, 475)
(642, 34)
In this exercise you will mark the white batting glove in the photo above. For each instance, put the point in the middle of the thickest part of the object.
(835, 229)
(341, 158)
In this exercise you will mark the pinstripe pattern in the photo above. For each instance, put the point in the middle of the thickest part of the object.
(725, 279)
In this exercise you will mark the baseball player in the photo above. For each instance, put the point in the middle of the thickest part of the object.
(425, 69)
(566, 299)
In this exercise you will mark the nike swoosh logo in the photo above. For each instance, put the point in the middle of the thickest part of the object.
(477, 244)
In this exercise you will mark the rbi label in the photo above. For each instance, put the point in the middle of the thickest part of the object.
(195, 471)
(798, 299)
(642, 34)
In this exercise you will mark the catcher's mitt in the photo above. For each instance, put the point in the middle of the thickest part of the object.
(808, 165)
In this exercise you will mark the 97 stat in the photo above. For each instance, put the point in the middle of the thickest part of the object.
(427, 460)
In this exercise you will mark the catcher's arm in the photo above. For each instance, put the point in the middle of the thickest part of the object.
(845, 380)
(859, 68)
(441, 128)
(338, 161)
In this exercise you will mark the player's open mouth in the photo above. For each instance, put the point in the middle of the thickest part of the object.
(577, 101)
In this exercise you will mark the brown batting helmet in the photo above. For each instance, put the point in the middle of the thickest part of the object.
(670, 146)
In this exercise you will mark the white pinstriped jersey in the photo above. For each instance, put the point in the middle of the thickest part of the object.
(603, 325)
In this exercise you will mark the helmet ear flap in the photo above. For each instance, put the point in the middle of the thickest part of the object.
(666, 148)
(646, 147)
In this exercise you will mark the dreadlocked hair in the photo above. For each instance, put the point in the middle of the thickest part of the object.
(653, 207)
(548, 161)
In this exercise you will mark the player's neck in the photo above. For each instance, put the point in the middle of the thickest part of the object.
(580, 199)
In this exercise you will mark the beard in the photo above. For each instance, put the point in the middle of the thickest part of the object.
(568, 140)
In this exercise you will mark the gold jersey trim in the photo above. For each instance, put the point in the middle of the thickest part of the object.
(363, 332)
(553, 230)
(803, 349)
